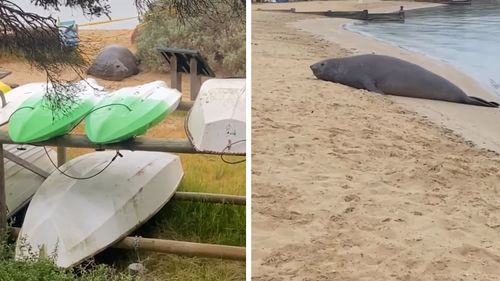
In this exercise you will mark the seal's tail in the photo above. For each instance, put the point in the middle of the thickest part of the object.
(481, 102)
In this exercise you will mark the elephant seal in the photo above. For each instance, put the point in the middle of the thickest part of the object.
(392, 76)
(115, 63)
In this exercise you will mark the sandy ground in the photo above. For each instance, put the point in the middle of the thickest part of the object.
(350, 185)
(92, 41)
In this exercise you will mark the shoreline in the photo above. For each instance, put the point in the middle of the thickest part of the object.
(475, 124)
(488, 87)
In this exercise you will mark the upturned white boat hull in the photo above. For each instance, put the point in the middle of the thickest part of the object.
(21, 183)
(216, 123)
(72, 220)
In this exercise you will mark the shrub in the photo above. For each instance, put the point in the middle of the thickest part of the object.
(218, 34)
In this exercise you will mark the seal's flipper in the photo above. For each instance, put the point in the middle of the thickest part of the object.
(481, 102)
(370, 86)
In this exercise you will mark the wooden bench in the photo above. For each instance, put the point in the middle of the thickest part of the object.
(189, 62)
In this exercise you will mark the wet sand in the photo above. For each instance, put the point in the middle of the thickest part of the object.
(351, 185)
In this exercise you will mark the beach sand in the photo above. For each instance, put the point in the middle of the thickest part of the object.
(351, 185)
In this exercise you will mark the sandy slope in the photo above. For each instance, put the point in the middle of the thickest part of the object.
(349, 185)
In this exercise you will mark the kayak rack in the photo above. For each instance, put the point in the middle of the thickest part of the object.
(138, 143)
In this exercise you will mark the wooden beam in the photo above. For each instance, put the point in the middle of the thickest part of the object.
(195, 78)
(3, 201)
(138, 143)
(210, 198)
(174, 247)
(183, 248)
(25, 164)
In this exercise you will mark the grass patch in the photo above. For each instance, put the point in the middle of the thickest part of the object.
(208, 173)
(43, 269)
(200, 222)
(171, 267)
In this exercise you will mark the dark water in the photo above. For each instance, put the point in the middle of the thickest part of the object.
(119, 9)
(467, 37)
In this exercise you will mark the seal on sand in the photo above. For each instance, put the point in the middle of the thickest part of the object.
(115, 63)
(388, 75)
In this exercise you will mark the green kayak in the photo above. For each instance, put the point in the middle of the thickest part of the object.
(34, 122)
(130, 112)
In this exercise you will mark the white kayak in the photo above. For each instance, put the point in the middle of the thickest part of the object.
(21, 183)
(216, 122)
(16, 97)
(76, 219)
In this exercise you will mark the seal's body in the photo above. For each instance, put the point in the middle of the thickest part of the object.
(388, 75)
(115, 63)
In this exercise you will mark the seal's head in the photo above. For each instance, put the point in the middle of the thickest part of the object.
(326, 69)
(112, 69)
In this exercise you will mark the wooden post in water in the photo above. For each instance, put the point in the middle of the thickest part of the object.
(3, 201)
(365, 15)
(195, 78)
